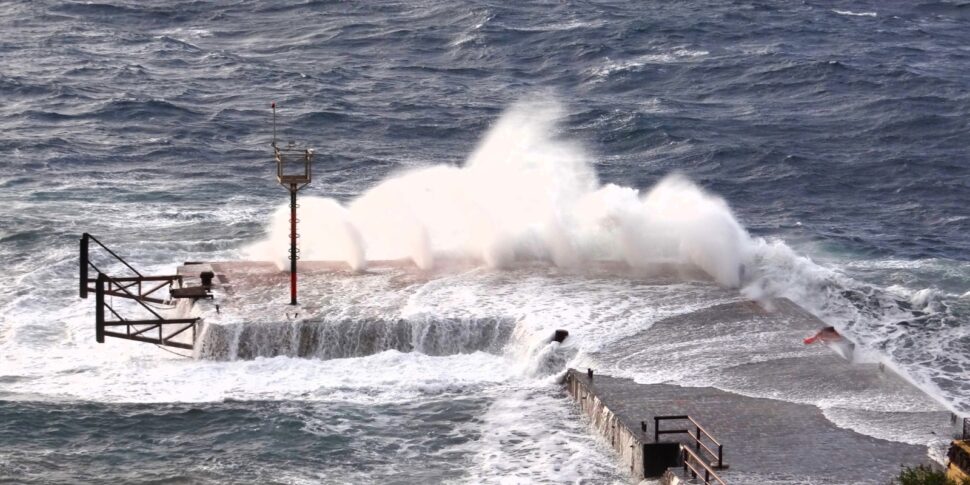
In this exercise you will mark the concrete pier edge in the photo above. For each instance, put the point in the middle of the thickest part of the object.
(627, 442)
(765, 440)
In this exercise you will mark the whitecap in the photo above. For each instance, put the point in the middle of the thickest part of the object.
(855, 14)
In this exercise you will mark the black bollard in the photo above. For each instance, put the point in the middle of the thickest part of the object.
(589, 372)
(560, 335)
(206, 277)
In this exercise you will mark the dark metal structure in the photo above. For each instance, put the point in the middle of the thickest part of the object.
(293, 173)
(699, 461)
(138, 288)
(697, 436)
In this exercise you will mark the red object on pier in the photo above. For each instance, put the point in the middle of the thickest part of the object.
(827, 334)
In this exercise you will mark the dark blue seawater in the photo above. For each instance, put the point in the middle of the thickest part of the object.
(232, 442)
(839, 130)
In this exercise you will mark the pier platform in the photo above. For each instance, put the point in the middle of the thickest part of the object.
(345, 314)
(785, 412)
(793, 413)
(658, 344)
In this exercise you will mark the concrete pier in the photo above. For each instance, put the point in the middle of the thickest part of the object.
(341, 317)
(766, 439)
(785, 411)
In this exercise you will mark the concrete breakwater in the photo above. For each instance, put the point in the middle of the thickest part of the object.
(620, 430)
(765, 441)
(244, 320)
(786, 412)
(326, 339)
(770, 439)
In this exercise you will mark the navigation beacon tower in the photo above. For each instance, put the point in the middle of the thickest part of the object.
(293, 173)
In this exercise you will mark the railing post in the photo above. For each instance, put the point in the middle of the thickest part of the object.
(99, 309)
(697, 444)
(83, 276)
(656, 429)
(720, 456)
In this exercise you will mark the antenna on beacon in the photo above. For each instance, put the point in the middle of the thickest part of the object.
(293, 173)
(274, 123)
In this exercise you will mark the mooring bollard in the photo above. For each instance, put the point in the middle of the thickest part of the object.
(589, 373)
(206, 278)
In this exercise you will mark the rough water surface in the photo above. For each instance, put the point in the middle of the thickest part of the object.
(836, 133)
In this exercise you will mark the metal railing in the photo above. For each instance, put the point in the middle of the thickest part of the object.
(135, 329)
(85, 263)
(698, 468)
(132, 282)
(131, 288)
(697, 437)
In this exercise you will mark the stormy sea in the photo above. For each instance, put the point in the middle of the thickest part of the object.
(812, 150)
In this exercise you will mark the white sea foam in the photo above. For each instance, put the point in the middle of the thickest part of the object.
(561, 25)
(893, 323)
(548, 442)
(183, 33)
(327, 235)
(855, 14)
(678, 55)
(522, 195)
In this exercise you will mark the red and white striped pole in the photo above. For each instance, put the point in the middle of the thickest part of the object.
(293, 255)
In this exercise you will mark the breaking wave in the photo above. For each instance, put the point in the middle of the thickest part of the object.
(522, 195)
(525, 194)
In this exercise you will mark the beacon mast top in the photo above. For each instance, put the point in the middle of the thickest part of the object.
(292, 163)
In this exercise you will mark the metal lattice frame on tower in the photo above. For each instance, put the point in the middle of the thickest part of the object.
(293, 173)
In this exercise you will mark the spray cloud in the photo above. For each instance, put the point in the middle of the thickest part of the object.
(522, 195)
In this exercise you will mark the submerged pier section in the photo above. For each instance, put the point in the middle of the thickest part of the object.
(753, 403)
(246, 318)
(781, 437)
(765, 440)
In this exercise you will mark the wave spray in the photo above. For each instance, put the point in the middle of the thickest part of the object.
(522, 195)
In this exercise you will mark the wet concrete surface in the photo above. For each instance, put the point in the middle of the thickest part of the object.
(784, 411)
